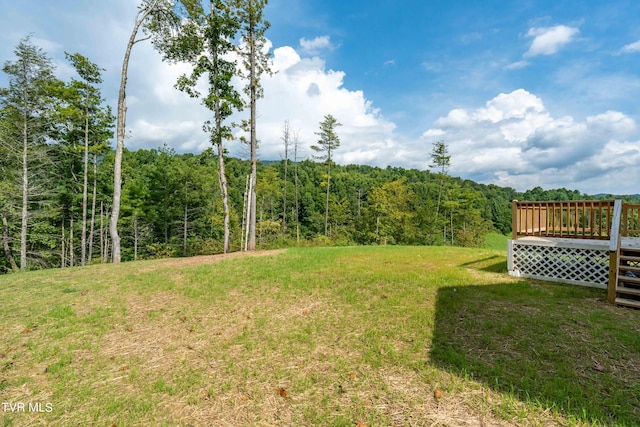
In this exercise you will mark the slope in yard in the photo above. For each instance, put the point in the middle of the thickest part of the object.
(323, 336)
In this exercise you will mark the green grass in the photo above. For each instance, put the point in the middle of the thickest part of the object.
(496, 241)
(315, 336)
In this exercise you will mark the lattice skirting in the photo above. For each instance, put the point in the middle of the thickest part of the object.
(567, 264)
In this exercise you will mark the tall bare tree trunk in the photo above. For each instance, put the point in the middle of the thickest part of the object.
(5, 244)
(296, 144)
(25, 188)
(184, 231)
(102, 256)
(135, 237)
(244, 215)
(285, 137)
(246, 241)
(71, 254)
(106, 248)
(326, 205)
(253, 86)
(120, 133)
(222, 175)
(63, 254)
(217, 139)
(93, 207)
(451, 230)
(85, 185)
(106, 241)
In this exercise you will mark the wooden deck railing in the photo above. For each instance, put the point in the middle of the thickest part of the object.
(630, 222)
(578, 219)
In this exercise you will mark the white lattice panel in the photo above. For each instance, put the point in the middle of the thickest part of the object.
(579, 265)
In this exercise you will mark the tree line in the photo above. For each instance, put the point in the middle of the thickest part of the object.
(172, 206)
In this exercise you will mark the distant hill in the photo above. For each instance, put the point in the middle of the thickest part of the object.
(617, 196)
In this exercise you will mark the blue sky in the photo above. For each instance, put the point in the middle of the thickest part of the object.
(527, 93)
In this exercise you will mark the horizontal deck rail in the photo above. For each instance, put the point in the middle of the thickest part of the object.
(578, 219)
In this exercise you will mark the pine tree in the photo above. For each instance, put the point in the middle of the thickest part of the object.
(441, 161)
(26, 105)
(327, 144)
(89, 123)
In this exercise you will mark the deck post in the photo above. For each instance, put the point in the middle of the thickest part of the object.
(613, 277)
(514, 220)
(614, 252)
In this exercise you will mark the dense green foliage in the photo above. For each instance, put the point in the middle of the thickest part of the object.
(171, 206)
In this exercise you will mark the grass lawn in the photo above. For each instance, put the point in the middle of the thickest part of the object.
(400, 336)
(496, 241)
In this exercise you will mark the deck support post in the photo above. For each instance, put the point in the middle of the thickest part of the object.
(613, 277)
(514, 220)
(614, 252)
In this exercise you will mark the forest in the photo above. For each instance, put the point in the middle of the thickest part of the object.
(171, 206)
(68, 197)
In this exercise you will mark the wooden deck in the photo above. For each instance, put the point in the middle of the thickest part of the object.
(591, 243)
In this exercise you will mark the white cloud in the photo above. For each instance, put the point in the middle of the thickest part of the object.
(517, 104)
(631, 47)
(433, 133)
(316, 45)
(182, 135)
(517, 65)
(286, 57)
(547, 40)
(303, 91)
(456, 118)
(514, 141)
(157, 112)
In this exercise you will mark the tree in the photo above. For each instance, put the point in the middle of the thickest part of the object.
(25, 105)
(441, 161)
(159, 19)
(286, 138)
(296, 147)
(328, 142)
(467, 225)
(255, 61)
(97, 123)
(206, 44)
(7, 162)
(269, 190)
(391, 213)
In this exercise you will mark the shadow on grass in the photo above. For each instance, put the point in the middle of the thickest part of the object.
(556, 346)
(492, 264)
